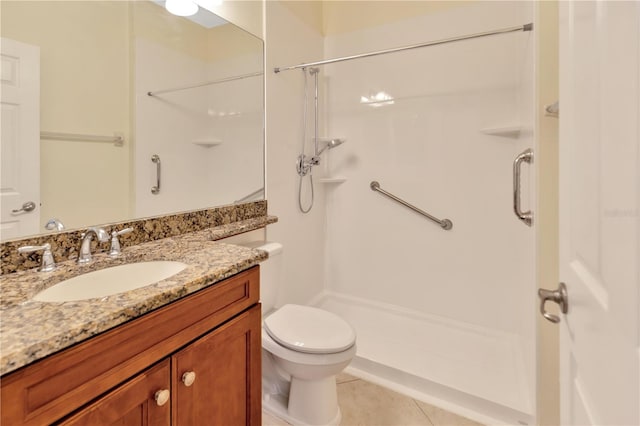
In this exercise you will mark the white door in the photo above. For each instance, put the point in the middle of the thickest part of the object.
(20, 139)
(600, 212)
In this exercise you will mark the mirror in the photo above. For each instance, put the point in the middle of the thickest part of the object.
(183, 94)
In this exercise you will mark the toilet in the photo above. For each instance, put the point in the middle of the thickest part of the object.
(303, 349)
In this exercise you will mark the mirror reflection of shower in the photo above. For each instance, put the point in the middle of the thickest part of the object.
(304, 164)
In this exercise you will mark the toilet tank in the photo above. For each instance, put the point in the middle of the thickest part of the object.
(271, 273)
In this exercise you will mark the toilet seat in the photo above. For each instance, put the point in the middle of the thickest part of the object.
(309, 330)
(302, 358)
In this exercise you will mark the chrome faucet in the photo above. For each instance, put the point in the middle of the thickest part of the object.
(84, 252)
(54, 224)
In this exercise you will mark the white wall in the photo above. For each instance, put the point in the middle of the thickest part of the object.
(427, 148)
(289, 40)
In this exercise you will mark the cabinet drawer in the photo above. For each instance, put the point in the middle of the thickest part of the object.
(61, 383)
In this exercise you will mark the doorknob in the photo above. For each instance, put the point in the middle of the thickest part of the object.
(26, 207)
(558, 296)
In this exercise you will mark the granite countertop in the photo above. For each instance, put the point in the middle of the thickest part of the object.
(31, 330)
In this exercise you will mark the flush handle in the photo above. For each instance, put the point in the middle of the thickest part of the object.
(558, 296)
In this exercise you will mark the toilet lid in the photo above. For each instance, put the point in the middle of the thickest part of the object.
(310, 330)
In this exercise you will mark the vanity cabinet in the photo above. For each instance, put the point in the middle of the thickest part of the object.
(201, 353)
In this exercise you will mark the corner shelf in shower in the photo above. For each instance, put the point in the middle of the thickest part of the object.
(335, 179)
(207, 143)
(509, 131)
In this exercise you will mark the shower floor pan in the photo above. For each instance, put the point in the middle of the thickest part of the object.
(474, 371)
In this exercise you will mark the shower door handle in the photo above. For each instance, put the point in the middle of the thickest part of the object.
(527, 157)
(558, 296)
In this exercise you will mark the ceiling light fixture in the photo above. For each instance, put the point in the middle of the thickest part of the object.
(181, 7)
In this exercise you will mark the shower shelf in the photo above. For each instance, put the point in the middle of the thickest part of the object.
(336, 179)
(207, 143)
(509, 131)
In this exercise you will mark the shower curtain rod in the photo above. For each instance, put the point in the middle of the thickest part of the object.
(206, 83)
(526, 27)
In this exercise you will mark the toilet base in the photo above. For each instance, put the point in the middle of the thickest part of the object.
(313, 401)
(277, 405)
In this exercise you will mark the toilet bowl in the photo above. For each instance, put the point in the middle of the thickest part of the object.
(308, 347)
(303, 349)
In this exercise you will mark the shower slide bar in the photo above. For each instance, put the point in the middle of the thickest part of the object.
(525, 27)
(446, 224)
(206, 83)
(55, 136)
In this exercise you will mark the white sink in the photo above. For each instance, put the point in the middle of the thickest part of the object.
(106, 282)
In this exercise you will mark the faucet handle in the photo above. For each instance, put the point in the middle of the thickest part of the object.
(115, 251)
(48, 264)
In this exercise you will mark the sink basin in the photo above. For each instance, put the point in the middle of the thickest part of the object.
(109, 281)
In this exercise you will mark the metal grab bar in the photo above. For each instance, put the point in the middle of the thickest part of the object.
(250, 196)
(527, 157)
(446, 224)
(117, 139)
(156, 159)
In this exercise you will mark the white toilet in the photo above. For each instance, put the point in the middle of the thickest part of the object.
(303, 348)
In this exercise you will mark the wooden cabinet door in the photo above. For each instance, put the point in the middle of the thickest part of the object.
(227, 368)
(131, 404)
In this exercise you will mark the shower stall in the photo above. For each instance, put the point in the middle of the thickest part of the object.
(446, 314)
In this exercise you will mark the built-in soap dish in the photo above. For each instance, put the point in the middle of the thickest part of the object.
(207, 143)
(508, 131)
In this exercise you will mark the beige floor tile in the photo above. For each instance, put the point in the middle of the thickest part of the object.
(440, 417)
(269, 420)
(344, 378)
(365, 404)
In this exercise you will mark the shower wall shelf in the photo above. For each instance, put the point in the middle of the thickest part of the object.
(509, 131)
(207, 143)
(335, 179)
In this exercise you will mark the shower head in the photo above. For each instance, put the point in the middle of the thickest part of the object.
(330, 143)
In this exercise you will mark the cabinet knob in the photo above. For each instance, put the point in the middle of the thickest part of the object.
(161, 397)
(188, 378)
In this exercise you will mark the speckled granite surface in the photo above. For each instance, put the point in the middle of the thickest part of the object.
(30, 330)
(64, 245)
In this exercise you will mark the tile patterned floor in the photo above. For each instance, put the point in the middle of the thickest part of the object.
(365, 404)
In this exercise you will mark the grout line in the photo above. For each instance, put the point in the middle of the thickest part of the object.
(355, 379)
(422, 411)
